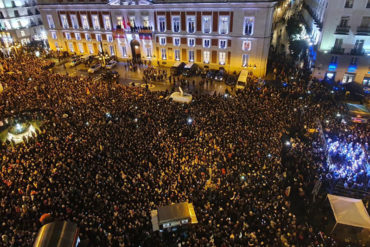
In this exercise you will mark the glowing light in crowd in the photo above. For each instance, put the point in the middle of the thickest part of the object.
(18, 127)
(108, 115)
(338, 114)
(348, 161)
(135, 120)
(190, 120)
(287, 143)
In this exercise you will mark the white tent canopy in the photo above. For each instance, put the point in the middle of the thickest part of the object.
(349, 211)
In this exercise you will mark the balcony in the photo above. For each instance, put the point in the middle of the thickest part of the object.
(314, 16)
(337, 50)
(342, 30)
(363, 30)
(357, 52)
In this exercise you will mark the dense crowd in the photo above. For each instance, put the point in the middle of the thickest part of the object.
(106, 155)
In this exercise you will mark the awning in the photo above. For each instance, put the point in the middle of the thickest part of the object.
(349, 211)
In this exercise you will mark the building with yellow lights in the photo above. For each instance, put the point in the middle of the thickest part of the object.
(233, 34)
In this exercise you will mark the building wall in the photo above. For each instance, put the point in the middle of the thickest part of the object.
(331, 18)
(259, 39)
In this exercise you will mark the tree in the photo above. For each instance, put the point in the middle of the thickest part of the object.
(293, 27)
(296, 47)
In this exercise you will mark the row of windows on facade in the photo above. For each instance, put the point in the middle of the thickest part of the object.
(246, 45)
(349, 4)
(358, 47)
(344, 21)
(176, 23)
(176, 54)
(334, 60)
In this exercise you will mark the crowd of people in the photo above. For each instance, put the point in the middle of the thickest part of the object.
(106, 155)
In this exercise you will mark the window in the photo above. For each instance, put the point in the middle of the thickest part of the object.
(119, 21)
(53, 35)
(109, 37)
(88, 37)
(206, 55)
(95, 20)
(191, 42)
(176, 24)
(206, 24)
(74, 21)
(68, 36)
(176, 41)
(344, 21)
(223, 44)
(70, 45)
(359, 45)
(177, 55)
(111, 49)
(334, 59)
(22, 33)
(222, 58)
(81, 48)
(64, 21)
(91, 50)
(349, 4)
(98, 37)
(191, 56)
(245, 60)
(162, 24)
(206, 43)
(124, 51)
(148, 52)
(50, 21)
(365, 21)
(85, 23)
(164, 54)
(368, 4)
(191, 24)
(248, 25)
(224, 25)
(146, 22)
(107, 24)
(162, 40)
(338, 43)
(132, 22)
(246, 45)
(354, 61)
(78, 36)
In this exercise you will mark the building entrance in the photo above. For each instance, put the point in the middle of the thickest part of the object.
(135, 49)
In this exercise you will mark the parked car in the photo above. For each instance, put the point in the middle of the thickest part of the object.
(211, 74)
(221, 75)
(94, 68)
(231, 80)
(111, 64)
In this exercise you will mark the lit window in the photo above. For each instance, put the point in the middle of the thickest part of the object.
(223, 44)
(71, 49)
(85, 23)
(22, 33)
(124, 51)
(177, 55)
(68, 36)
(162, 24)
(98, 37)
(119, 21)
(96, 24)
(74, 21)
(191, 56)
(107, 24)
(132, 22)
(109, 38)
(206, 43)
(224, 25)
(146, 22)
(222, 58)
(206, 55)
(176, 24)
(246, 45)
(164, 54)
(148, 52)
(54, 35)
(81, 48)
(50, 21)
(64, 21)
(88, 37)
(245, 60)
(191, 24)
(162, 40)
(78, 36)
(176, 41)
(91, 49)
(191, 42)
(248, 25)
(206, 23)
(111, 49)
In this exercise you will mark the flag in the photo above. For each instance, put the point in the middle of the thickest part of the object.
(124, 26)
(128, 22)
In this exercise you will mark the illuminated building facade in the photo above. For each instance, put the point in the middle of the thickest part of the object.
(234, 34)
(20, 23)
(340, 29)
